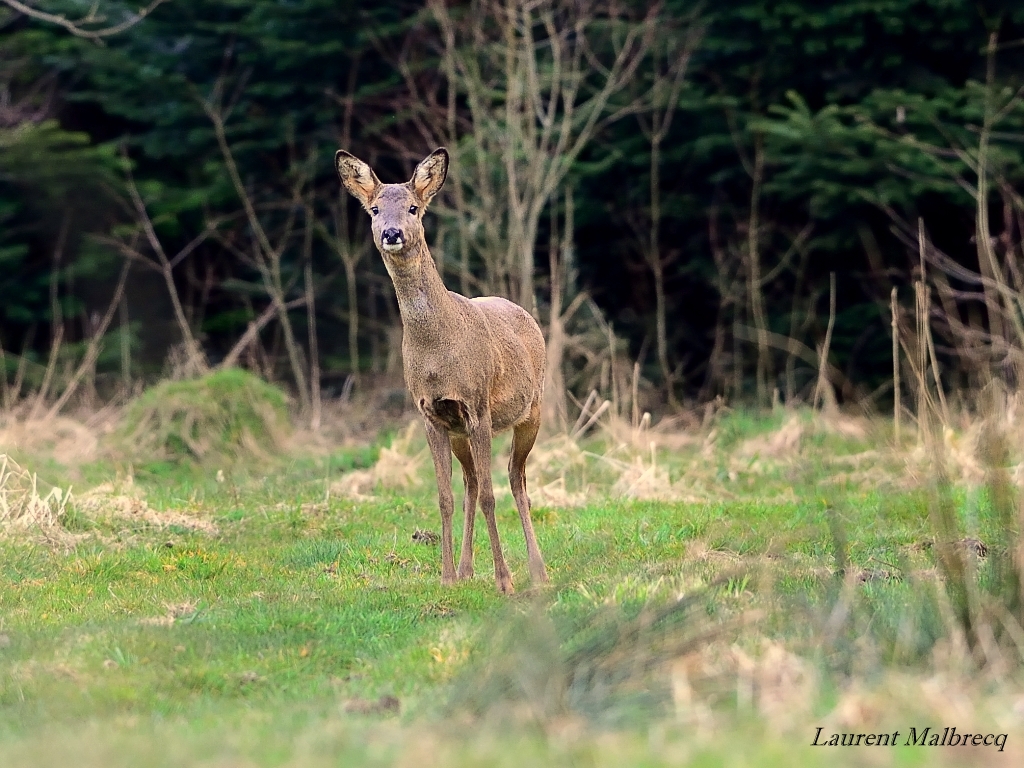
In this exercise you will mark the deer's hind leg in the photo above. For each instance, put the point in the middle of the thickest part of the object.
(441, 451)
(524, 436)
(463, 452)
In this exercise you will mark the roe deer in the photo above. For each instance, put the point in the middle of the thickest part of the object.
(474, 366)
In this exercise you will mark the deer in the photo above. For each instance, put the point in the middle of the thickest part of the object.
(474, 366)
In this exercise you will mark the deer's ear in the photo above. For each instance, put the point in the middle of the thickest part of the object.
(430, 174)
(357, 176)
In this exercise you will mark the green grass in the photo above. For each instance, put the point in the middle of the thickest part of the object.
(298, 607)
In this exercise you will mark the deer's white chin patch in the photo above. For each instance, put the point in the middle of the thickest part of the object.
(392, 247)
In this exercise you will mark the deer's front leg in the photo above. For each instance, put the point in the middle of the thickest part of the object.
(480, 443)
(441, 451)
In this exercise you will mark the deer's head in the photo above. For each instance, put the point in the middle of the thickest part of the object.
(396, 210)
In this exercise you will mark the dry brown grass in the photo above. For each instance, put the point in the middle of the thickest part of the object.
(677, 459)
(71, 441)
(672, 462)
(24, 507)
(27, 511)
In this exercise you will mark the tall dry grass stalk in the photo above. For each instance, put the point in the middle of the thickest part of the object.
(918, 345)
(5, 392)
(982, 601)
(316, 405)
(608, 666)
(92, 352)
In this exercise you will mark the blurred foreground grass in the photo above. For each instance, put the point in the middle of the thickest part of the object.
(282, 613)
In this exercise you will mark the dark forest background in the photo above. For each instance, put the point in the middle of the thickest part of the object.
(724, 193)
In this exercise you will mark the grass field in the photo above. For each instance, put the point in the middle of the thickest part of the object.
(713, 605)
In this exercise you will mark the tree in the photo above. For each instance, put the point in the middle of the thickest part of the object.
(540, 80)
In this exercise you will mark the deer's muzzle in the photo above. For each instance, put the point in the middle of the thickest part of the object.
(391, 239)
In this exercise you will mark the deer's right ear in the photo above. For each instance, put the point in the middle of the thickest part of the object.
(358, 178)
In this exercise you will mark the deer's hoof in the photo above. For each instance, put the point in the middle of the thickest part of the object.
(465, 573)
(505, 585)
(447, 580)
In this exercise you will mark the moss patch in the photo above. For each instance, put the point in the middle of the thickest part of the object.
(226, 414)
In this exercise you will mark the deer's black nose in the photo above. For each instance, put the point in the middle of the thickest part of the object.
(391, 236)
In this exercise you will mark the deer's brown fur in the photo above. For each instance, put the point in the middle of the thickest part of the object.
(474, 366)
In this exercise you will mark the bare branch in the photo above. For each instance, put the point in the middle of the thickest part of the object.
(231, 358)
(92, 352)
(197, 361)
(78, 27)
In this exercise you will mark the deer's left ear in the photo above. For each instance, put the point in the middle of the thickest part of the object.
(429, 176)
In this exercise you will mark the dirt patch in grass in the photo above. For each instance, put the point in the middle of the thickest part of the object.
(124, 503)
(172, 612)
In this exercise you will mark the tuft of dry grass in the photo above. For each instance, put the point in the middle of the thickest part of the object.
(21, 503)
(763, 674)
(781, 444)
(24, 509)
(555, 495)
(397, 468)
(550, 462)
(642, 479)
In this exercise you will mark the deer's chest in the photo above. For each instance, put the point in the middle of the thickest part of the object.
(445, 372)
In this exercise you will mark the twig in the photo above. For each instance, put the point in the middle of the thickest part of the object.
(75, 26)
(255, 326)
(19, 375)
(634, 394)
(126, 347)
(5, 395)
(51, 364)
(819, 388)
(269, 257)
(314, 352)
(921, 368)
(593, 418)
(196, 359)
(93, 350)
(583, 411)
(895, 364)
(929, 343)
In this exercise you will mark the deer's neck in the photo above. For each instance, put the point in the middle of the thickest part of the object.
(426, 307)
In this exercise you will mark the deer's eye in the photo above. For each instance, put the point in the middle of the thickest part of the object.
(413, 209)
(375, 210)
